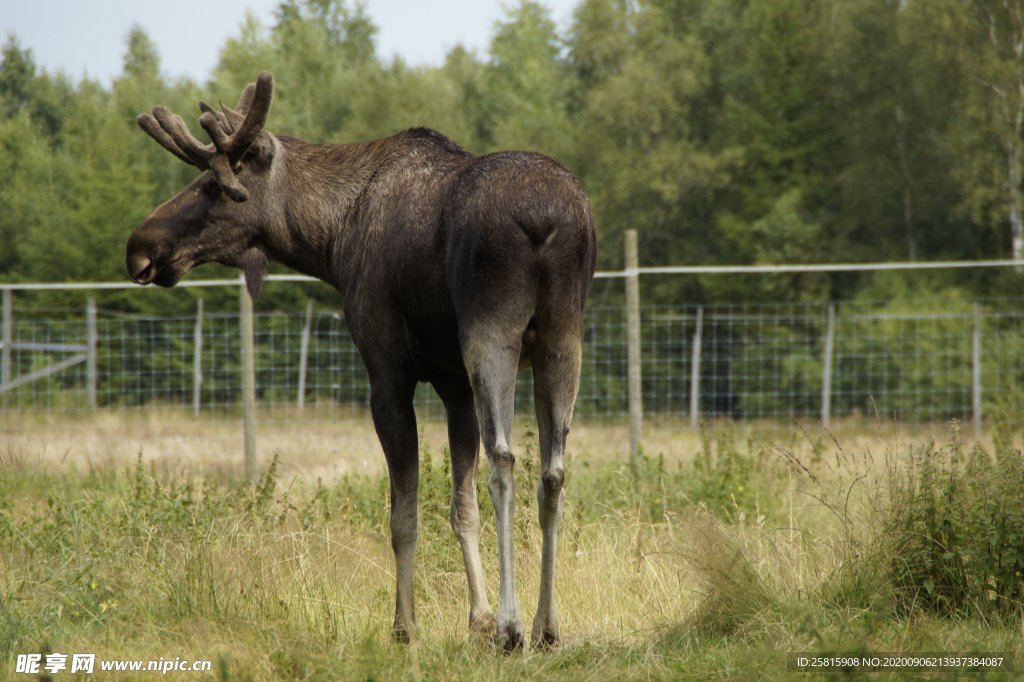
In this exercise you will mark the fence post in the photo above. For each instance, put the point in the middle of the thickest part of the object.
(826, 370)
(634, 384)
(304, 355)
(695, 370)
(90, 350)
(247, 330)
(976, 371)
(7, 339)
(197, 360)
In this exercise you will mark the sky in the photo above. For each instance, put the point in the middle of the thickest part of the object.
(87, 37)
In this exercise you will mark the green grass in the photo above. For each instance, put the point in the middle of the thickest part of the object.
(710, 568)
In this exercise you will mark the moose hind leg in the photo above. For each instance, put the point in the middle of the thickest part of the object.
(492, 359)
(464, 445)
(556, 369)
(391, 404)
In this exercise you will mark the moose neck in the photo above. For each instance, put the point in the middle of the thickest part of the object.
(318, 184)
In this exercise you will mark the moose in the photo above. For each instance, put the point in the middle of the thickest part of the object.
(455, 269)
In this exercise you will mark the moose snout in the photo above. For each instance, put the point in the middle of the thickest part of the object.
(140, 259)
(141, 269)
(144, 255)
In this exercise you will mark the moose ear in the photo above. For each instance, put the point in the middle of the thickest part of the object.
(261, 154)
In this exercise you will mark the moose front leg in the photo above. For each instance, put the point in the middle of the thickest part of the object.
(395, 421)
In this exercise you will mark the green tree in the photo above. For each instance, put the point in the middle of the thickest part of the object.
(350, 28)
(17, 76)
(467, 75)
(642, 161)
(96, 190)
(599, 39)
(141, 60)
(322, 51)
(777, 101)
(990, 46)
(23, 87)
(525, 85)
(29, 194)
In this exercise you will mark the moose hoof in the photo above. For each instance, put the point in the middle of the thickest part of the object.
(509, 637)
(485, 624)
(402, 633)
(546, 640)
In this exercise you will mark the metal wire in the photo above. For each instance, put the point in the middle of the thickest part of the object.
(603, 274)
(914, 362)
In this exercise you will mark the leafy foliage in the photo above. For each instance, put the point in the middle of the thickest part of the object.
(724, 131)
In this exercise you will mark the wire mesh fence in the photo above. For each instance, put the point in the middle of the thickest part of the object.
(914, 362)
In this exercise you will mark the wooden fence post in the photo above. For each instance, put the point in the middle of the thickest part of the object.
(304, 356)
(92, 339)
(634, 378)
(197, 360)
(247, 330)
(976, 371)
(695, 370)
(826, 370)
(7, 339)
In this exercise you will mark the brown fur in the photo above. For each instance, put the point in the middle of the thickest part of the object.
(455, 270)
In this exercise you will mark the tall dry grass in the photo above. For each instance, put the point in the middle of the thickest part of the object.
(709, 557)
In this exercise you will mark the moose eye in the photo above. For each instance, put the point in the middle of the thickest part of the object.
(213, 191)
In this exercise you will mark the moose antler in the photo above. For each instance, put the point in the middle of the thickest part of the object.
(232, 132)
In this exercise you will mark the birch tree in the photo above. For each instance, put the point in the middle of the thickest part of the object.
(989, 36)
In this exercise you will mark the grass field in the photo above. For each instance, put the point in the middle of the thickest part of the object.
(712, 556)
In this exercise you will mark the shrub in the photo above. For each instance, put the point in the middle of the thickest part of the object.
(958, 530)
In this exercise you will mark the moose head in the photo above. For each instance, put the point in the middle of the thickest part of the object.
(219, 215)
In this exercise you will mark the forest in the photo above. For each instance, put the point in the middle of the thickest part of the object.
(724, 131)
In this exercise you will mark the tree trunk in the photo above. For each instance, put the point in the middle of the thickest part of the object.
(908, 198)
(1013, 176)
(1014, 197)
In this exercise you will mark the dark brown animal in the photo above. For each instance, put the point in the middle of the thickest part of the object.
(456, 270)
